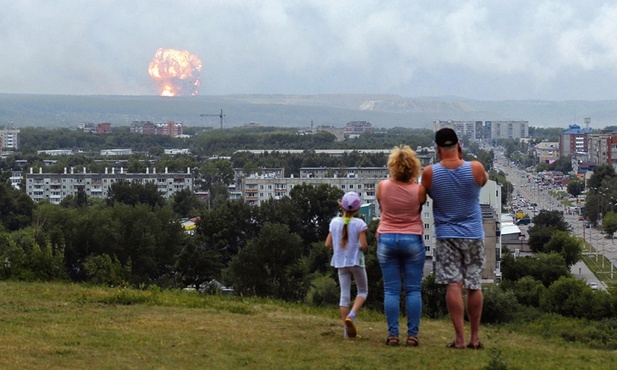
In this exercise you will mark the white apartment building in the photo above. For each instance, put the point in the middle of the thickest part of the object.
(57, 186)
(9, 139)
(486, 130)
(271, 184)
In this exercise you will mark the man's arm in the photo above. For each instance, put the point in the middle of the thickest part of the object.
(427, 178)
(479, 173)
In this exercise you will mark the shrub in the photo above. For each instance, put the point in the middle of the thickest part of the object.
(433, 298)
(104, 270)
(568, 297)
(499, 306)
(323, 292)
(528, 291)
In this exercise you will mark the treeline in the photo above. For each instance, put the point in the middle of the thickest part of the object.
(135, 237)
(210, 142)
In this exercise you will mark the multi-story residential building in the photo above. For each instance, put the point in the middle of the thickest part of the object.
(9, 139)
(57, 186)
(487, 130)
(170, 128)
(122, 151)
(270, 184)
(546, 152)
(98, 128)
(56, 152)
(573, 140)
(356, 128)
(177, 151)
(612, 150)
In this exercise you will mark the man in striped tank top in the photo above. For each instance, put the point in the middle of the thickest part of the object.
(454, 185)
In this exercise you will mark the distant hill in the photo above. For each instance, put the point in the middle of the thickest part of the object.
(293, 110)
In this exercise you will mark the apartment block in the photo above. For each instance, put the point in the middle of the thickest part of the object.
(546, 152)
(271, 184)
(486, 130)
(9, 139)
(57, 186)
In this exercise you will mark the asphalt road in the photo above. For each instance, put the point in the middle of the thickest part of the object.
(536, 194)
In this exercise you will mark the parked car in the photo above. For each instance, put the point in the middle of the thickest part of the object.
(581, 218)
(523, 221)
(593, 286)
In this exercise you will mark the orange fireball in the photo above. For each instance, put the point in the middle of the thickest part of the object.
(176, 72)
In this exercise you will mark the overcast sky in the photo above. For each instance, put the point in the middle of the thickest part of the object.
(490, 50)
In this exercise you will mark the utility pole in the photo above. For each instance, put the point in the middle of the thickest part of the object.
(220, 115)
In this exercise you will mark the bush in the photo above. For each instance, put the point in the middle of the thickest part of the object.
(528, 291)
(323, 292)
(499, 306)
(104, 270)
(433, 298)
(568, 297)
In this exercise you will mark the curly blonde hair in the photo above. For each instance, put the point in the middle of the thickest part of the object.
(403, 164)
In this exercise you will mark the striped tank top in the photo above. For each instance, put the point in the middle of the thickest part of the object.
(456, 203)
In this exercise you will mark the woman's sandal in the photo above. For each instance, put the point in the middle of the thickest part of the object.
(412, 341)
(392, 341)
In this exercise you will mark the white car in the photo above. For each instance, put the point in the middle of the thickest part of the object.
(593, 286)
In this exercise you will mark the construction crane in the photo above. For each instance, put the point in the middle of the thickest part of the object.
(220, 115)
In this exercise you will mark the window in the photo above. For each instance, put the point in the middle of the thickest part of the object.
(426, 226)
(427, 237)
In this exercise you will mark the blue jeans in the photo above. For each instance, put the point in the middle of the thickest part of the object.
(401, 257)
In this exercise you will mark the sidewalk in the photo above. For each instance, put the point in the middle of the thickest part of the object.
(581, 271)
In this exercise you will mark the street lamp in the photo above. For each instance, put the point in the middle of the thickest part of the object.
(521, 237)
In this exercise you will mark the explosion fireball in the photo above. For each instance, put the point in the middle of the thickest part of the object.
(176, 72)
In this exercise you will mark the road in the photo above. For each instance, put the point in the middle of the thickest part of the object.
(533, 193)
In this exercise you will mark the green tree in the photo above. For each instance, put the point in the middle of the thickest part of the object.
(568, 246)
(186, 204)
(318, 204)
(569, 297)
(198, 263)
(545, 225)
(562, 164)
(227, 229)
(270, 265)
(542, 166)
(575, 186)
(609, 223)
(16, 207)
(600, 173)
(543, 267)
(133, 193)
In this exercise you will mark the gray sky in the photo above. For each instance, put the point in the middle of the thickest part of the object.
(492, 49)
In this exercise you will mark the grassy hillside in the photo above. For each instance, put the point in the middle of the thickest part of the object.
(72, 326)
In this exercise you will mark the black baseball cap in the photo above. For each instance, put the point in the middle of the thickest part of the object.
(446, 137)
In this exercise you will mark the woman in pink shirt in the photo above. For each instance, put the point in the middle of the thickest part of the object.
(400, 248)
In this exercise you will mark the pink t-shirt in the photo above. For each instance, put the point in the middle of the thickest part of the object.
(400, 208)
